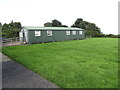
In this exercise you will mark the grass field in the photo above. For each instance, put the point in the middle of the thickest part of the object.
(89, 63)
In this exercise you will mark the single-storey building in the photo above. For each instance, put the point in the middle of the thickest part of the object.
(35, 34)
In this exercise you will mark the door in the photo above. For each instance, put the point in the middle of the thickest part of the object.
(21, 37)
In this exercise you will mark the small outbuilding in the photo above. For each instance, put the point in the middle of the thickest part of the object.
(35, 34)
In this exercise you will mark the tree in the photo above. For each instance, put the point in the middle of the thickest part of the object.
(0, 26)
(90, 28)
(0, 29)
(56, 23)
(48, 24)
(11, 30)
(78, 21)
(5, 31)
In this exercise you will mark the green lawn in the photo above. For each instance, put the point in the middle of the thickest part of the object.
(89, 63)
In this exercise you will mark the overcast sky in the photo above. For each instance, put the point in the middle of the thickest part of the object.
(104, 13)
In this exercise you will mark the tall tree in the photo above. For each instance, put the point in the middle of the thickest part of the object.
(90, 28)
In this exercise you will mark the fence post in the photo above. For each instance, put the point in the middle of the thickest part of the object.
(16, 39)
(11, 42)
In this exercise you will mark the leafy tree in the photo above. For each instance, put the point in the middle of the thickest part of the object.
(56, 23)
(0, 26)
(11, 30)
(0, 29)
(78, 21)
(90, 28)
(5, 31)
(48, 24)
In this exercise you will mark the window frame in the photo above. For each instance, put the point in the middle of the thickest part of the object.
(80, 32)
(67, 32)
(37, 32)
(74, 32)
(50, 33)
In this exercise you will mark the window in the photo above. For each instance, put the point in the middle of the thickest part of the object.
(67, 32)
(74, 32)
(37, 33)
(49, 33)
(21, 34)
(80, 32)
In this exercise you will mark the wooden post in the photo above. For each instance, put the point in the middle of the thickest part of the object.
(16, 39)
(11, 42)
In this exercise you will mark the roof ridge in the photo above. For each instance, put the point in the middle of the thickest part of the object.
(60, 28)
(50, 27)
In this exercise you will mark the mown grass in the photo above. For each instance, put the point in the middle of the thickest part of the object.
(90, 63)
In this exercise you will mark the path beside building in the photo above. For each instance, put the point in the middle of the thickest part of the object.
(15, 75)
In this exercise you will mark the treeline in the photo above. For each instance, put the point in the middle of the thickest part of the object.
(110, 35)
(91, 29)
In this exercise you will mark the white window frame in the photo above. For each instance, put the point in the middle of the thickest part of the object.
(37, 33)
(80, 32)
(74, 32)
(67, 32)
(49, 32)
